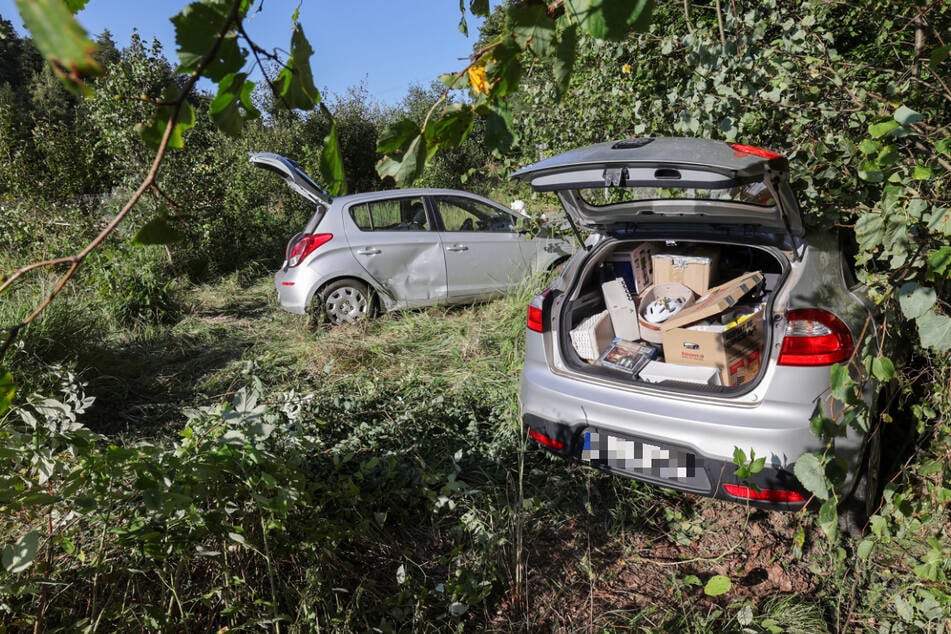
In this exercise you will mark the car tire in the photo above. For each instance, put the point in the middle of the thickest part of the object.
(344, 301)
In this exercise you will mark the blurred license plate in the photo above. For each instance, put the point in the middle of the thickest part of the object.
(644, 460)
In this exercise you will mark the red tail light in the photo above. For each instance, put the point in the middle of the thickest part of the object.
(764, 495)
(305, 246)
(535, 311)
(551, 443)
(815, 337)
(754, 151)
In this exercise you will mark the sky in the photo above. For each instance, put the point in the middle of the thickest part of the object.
(388, 44)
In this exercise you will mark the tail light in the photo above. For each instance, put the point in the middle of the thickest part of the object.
(305, 246)
(815, 337)
(536, 309)
(764, 495)
(547, 441)
(754, 151)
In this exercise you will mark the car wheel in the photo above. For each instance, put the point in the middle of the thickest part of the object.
(345, 301)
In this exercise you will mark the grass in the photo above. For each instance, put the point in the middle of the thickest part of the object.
(376, 479)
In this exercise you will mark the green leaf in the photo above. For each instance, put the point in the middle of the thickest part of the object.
(157, 231)
(499, 133)
(870, 172)
(934, 331)
(739, 457)
(829, 518)
(7, 390)
(939, 55)
(296, 81)
(841, 384)
(408, 168)
(331, 164)
(870, 231)
(609, 19)
(19, 556)
(154, 131)
(62, 41)
(941, 221)
(916, 300)
(883, 369)
(939, 260)
(864, 549)
(922, 173)
(397, 136)
(906, 116)
(878, 130)
(811, 474)
(479, 7)
(717, 585)
(563, 64)
(234, 96)
(531, 27)
(451, 128)
(197, 29)
(504, 70)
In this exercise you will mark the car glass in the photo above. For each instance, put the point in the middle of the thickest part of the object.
(392, 214)
(463, 214)
(751, 194)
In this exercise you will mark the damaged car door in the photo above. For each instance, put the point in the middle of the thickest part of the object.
(394, 241)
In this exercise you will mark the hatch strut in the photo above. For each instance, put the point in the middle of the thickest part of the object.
(574, 227)
(769, 174)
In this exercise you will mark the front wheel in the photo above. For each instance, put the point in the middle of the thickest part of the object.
(344, 301)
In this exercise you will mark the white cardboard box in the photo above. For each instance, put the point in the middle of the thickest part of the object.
(657, 371)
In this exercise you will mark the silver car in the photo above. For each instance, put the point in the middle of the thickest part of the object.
(701, 317)
(403, 248)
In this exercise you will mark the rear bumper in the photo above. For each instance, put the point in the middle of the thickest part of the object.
(293, 290)
(679, 468)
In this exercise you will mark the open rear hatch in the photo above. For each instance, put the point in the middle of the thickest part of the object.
(679, 293)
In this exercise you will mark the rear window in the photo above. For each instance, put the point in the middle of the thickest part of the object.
(749, 194)
(397, 214)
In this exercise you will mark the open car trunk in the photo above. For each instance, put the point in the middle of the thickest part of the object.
(680, 315)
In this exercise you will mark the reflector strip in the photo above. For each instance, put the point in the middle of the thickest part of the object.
(764, 495)
(545, 440)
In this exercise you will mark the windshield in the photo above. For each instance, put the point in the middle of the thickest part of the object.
(751, 194)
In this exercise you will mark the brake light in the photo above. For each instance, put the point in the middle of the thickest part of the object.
(764, 495)
(305, 246)
(754, 151)
(551, 443)
(815, 337)
(536, 310)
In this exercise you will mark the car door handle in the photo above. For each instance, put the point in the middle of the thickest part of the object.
(369, 251)
(457, 247)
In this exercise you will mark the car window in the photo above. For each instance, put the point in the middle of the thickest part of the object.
(465, 214)
(392, 214)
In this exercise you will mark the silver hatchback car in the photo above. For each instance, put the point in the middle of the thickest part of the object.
(700, 317)
(402, 248)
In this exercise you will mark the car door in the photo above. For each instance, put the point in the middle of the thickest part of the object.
(484, 253)
(393, 240)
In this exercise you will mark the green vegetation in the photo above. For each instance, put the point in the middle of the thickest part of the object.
(176, 453)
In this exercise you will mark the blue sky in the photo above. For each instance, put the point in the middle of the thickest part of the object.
(389, 44)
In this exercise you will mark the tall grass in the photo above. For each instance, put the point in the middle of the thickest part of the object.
(253, 472)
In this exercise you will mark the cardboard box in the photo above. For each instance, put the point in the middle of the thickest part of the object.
(642, 266)
(695, 270)
(659, 371)
(734, 349)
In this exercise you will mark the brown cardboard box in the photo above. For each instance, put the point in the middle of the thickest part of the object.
(734, 349)
(695, 270)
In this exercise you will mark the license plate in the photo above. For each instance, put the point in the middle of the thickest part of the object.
(645, 461)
